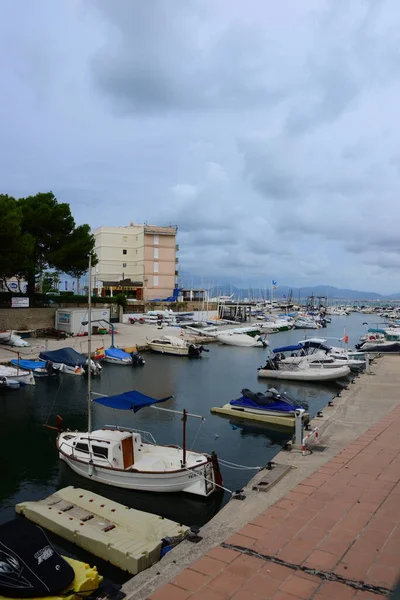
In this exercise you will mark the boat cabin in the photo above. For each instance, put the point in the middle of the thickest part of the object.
(118, 449)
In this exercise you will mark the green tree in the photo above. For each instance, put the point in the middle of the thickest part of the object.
(16, 246)
(50, 282)
(56, 242)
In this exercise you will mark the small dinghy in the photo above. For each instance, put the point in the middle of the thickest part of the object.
(117, 356)
(39, 368)
(269, 407)
(30, 566)
(20, 375)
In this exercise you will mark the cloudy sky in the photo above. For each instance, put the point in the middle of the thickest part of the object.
(267, 131)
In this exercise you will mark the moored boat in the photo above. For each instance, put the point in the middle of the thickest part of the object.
(39, 368)
(68, 360)
(20, 375)
(169, 344)
(301, 371)
(271, 407)
(242, 339)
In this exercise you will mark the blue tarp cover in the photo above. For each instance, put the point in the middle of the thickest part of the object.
(66, 356)
(133, 400)
(277, 405)
(288, 348)
(30, 365)
(117, 353)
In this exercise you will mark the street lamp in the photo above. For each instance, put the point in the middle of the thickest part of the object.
(103, 321)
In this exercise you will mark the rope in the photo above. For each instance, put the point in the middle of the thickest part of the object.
(198, 431)
(209, 480)
(54, 401)
(231, 465)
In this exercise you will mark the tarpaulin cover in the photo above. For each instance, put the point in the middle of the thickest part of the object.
(66, 356)
(133, 400)
(117, 353)
(29, 365)
(288, 348)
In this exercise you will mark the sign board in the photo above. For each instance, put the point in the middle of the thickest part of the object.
(20, 302)
(63, 318)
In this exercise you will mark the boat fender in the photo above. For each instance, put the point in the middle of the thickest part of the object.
(90, 468)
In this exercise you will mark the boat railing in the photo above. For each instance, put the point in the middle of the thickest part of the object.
(147, 437)
(90, 453)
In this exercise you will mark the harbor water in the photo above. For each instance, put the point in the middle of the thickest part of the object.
(31, 468)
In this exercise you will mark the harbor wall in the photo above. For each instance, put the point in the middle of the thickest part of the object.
(21, 319)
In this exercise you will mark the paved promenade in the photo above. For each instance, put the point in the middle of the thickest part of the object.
(336, 535)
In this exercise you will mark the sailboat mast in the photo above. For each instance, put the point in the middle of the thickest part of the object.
(89, 387)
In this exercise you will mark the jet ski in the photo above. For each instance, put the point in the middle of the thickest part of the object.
(272, 407)
(271, 400)
(30, 566)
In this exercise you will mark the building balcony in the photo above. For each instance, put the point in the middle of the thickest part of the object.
(177, 247)
(177, 261)
(176, 272)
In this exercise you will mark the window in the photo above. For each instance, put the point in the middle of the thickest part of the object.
(125, 238)
(100, 451)
(124, 265)
(156, 240)
(155, 280)
(124, 251)
(136, 251)
(155, 253)
(82, 447)
(155, 267)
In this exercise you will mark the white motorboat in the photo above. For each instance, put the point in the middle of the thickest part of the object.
(24, 377)
(242, 339)
(302, 371)
(169, 344)
(306, 322)
(131, 459)
(320, 347)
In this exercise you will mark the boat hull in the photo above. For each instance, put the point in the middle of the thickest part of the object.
(173, 351)
(23, 377)
(269, 417)
(115, 361)
(189, 481)
(242, 339)
(314, 374)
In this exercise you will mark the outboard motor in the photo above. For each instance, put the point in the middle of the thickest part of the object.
(194, 351)
(137, 360)
(50, 369)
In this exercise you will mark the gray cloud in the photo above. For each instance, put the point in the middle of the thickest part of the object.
(267, 132)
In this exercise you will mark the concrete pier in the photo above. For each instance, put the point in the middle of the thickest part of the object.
(329, 528)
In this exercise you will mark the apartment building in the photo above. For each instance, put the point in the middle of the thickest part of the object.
(138, 259)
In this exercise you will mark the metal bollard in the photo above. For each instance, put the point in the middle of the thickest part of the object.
(299, 426)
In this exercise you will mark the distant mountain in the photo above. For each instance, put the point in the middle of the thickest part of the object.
(333, 293)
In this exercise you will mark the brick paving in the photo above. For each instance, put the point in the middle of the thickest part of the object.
(342, 522)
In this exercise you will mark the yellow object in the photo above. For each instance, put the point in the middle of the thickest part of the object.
(130, 349)
(87, 579)
(127, 538)
(271, 419)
